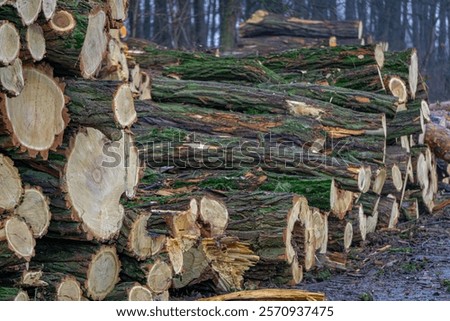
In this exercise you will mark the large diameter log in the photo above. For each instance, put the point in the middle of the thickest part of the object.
(11, 78)
(105, 105)
(34, 122)
(48, 8)
(221, 152)
(10, 40)
(59, 287)
(263, 23)
(95, 267)
(77, 41)
(438, 138)
(16, 242)
(11, 186)
(244, 99)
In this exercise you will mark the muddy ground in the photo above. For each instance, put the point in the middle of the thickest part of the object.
(412, 263)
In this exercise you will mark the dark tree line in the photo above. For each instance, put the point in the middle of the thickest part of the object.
(190, 24)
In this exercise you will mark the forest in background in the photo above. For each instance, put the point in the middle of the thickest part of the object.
(197, 24)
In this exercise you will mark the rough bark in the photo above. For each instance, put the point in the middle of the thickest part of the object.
(263, 23)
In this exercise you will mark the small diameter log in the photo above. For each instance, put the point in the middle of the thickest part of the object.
(28, 10)
(388, 212)
(118, 9)
(263, 23)
(397, 87)
(11, 186)
(409, 209)
(59, 287)
(16, 242)
(105, 105)
(398, 163)
(130, 291)
(77, 39)
(405, 62)
(135, 240)
(95, 267)
(230, 259)
(36, 42)
(13, 294)
(41, 130)
(115, 64)
(11, 78)
(10, 40)
(155, 273)
(34, 209)
(48, 8)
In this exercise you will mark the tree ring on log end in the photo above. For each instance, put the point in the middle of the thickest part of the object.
(11, 186)
(69, 290)
(94, 45)
(123, 106)
(413, 76)
(28, 10)
(103, 273)
(362, 222)
(118, 10)
(140, 293)
(297, 272)
(397, 177)
(95, 181)
(380, 179)
(35, 211)
(37, 120)
(398, 89)
(379, 55)
(173, 247)
(19, 237)
(319, 228)
(425, 110)
(341, 201)
(348, 236)
(10, 40)
(62, 22)
(139, 242)
(159, 278)
(214, 214)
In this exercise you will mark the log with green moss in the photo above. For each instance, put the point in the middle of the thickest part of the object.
(404, 63)
(76, 37)
(13, 294)
(262, 101)
(105, 105)
(263, 23)
(96, 267)
(358, 100)
(162, 147)
(405, 123)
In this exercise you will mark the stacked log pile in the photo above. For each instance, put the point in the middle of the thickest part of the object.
(252, 175)
(266, 32)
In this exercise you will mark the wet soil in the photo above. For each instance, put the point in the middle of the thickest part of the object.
(411, 263)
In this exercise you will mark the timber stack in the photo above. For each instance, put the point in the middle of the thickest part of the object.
(139, 173)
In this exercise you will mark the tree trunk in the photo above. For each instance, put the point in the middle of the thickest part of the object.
(229, 15)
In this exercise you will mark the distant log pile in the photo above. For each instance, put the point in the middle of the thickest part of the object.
(266, 32)
(257, 169)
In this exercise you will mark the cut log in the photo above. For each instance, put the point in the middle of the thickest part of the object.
(36, 42)
(263, 23)
(388, 212)
(13, 294)
(406, 123)
(130, 291)
(105, 105)
(59, 287)
(115, 64)
(11, 78)
(243, 99)
(410, 209)
(118, 9)
(11, 186)
(398, 89)
(78, 48)
(35, 122)
(34, 209)
(196, 269)
(438, 138)
(17, 243)
(135, 240)
(95, 267)
(28, 10)
(353, 99)
(10, 40)
(404, 63)
(48, 8)
(230, 259)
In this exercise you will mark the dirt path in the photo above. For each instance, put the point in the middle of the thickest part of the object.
(413, 264)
